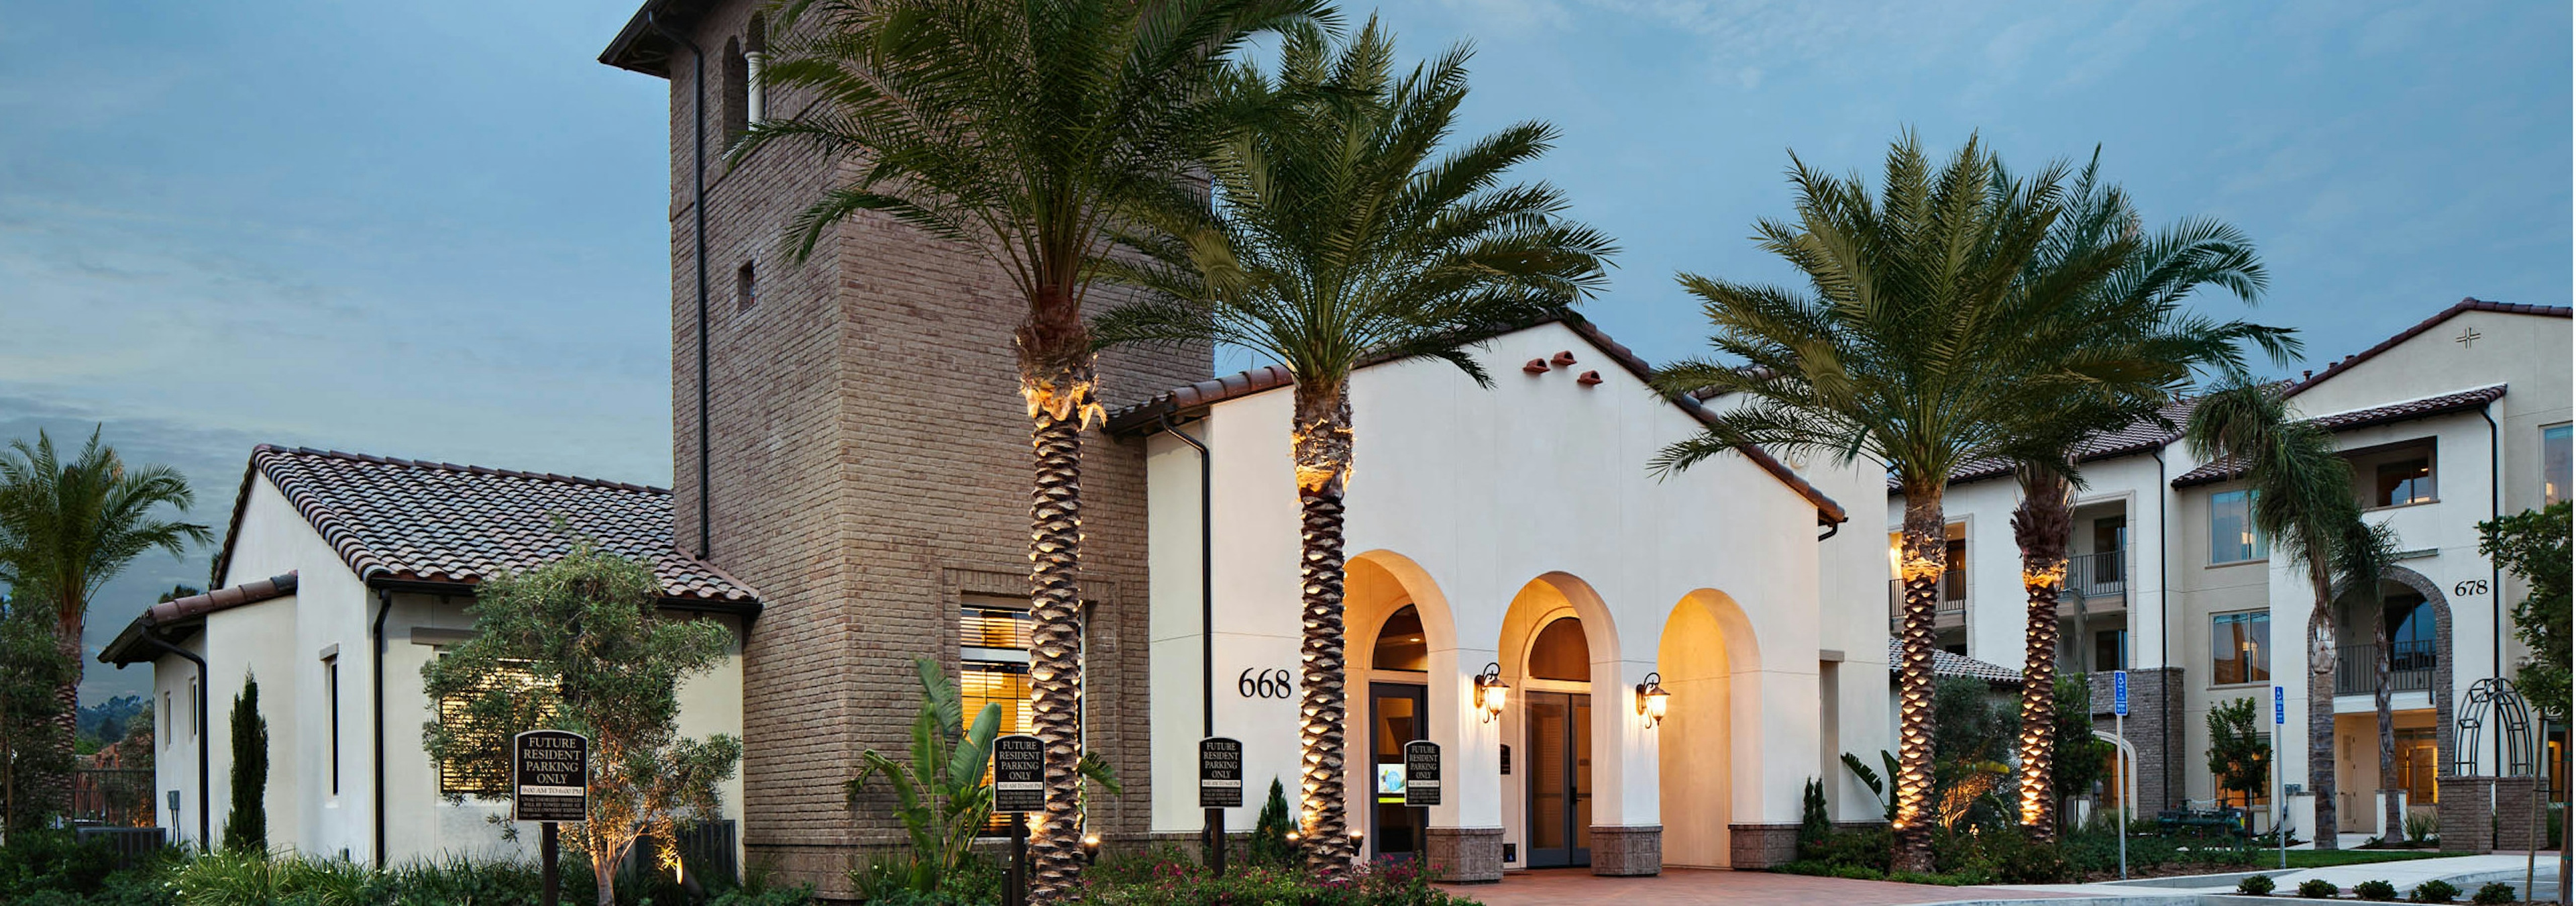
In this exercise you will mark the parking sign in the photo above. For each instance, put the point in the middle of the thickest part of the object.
(2280, 708)
(2120, 692)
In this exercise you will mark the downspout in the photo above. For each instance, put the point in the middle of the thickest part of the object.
(205, 690)
(698, 212)
(2164, 624)
(384, 608)
(1207, 579)
(2495, 510)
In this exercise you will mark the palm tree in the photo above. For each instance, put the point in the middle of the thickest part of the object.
(2303, 501)
(2363, 557)
(1918, 343)
(1342, 235)
(1025, 130)
(66, 528)
(2137, 314)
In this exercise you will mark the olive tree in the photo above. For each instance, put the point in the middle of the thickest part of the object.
(578, 645)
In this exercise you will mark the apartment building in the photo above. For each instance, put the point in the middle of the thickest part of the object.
(2447, 423)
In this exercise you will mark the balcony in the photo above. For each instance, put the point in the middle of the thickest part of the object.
(2102, 575)
(2410, 668)
(1948, 612)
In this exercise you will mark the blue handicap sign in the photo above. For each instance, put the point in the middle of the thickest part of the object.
(2280, 710)
(2120, 692)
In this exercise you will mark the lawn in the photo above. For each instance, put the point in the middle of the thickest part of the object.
(2329, 858)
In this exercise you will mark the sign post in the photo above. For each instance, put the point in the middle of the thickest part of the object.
(1019, 787)
(1421, 791)
(549, 784)
(1220, 788)
(2120, 728)
(2280, 801)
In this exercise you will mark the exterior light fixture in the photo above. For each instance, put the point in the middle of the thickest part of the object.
(1359, 837)
(1090, 848)
(1491, 694)
(1652, 700)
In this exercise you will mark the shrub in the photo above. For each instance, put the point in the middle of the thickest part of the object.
(2493, 893)
(2434, 891)
(1813, 824)
(2375, 891)
(1269, 844)
(1868, 847)
(2255, 886)
(43, 860)
(2318, 889)
(1378, 884)
(2420, 828)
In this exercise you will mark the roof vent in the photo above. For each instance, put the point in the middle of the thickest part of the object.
(1535, 366)
(1588, 378)
(1563, 358)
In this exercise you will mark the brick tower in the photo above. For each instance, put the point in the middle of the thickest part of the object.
(865, 461)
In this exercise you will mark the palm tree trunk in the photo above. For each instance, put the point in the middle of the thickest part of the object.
(1060, 403)
(2321, 672)
(1321, 447)
(2390, 811)
(55, 795)
(1920, 567)
(2041, 525)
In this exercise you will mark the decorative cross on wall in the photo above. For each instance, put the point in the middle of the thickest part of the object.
(2468, 335)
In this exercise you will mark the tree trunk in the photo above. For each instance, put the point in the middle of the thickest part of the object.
(1321, 448)
(1924, 557)
(55, 794)
(2040, 525)
(1058, 408)
(2390, 811)
(2321, 672)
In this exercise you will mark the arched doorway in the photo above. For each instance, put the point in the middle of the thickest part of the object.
(1560, 656)
(1707, 643)
(2416, 620)
(1398, 634)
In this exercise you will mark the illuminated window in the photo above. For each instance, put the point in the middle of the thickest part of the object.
(1561, 652)
(2554, 463)
(993, 668)
(487, 774)
(1399, 643)
(2232, 535)
(2240, 648)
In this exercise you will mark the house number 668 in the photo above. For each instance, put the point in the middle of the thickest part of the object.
(1273, 683)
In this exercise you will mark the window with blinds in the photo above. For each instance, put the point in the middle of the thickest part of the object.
(488, 773)
(993, 668)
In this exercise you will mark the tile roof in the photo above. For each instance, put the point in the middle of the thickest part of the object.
(1959, 665)
(128, 646)
(2140, 436)
(2463, 306)
(1143, 417)
(2426, 407)
(405, 521)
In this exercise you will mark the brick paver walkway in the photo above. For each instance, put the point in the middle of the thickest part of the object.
(1702, 887)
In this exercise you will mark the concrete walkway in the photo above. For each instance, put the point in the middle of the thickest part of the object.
(1705, 887)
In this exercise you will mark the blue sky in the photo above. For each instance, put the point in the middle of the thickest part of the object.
(440, 231)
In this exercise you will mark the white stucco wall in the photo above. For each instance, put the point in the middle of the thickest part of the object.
(1467, 495)
(286, 641)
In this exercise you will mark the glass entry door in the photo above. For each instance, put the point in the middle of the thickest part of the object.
(1560, 779)
(1395, 718)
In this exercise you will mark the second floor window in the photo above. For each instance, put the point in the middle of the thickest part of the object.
(2232, 536)
(2555, 463)
(2403, 482)
(2240, 648)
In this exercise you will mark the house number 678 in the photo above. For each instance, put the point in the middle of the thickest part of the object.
(2470, 587)
(1257, 683)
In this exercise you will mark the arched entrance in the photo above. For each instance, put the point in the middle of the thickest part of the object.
(2416, 619)
(1560, 655)
(1398, 634)
(1706, 644)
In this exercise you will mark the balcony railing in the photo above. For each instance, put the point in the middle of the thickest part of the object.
(2410, 668)
(2102, 575)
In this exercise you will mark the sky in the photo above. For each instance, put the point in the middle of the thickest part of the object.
(441, 231)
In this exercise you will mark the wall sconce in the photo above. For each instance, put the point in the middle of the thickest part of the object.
(1652, 699)
(1491, 694)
